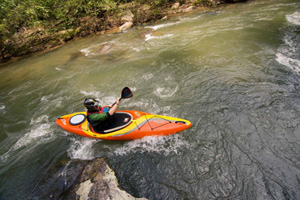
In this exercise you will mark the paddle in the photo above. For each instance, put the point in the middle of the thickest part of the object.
(125, 94)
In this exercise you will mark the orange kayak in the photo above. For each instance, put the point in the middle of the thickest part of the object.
(128, 125)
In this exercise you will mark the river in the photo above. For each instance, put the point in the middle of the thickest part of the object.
(233, 71)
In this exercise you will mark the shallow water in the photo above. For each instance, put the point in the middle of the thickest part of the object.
(232, 71)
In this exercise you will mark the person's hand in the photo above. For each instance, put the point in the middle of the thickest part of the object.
(118, 101)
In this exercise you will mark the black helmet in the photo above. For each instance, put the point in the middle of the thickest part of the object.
(90, 103)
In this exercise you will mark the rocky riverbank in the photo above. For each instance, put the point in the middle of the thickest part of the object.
(39, 38)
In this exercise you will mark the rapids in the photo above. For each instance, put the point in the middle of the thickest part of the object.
(233, 71)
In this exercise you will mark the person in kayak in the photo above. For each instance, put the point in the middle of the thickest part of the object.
(100, 117)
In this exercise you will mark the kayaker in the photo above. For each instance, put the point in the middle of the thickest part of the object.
(100, 117)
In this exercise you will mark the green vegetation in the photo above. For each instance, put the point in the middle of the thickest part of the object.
(44, 17)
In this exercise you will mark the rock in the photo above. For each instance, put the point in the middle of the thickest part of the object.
(125, 26)
(104, 48)
(65, 31)
(98, 181)
(188, 9)
(128, 17)
(164, 18)
(175, 5)
(80, 180)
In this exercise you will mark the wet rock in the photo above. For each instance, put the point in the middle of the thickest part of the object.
(164, 18)
(188, 9)
(103, 49)
(77, 179)
(126, 26)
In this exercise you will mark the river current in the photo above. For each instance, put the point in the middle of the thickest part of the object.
(233, 71)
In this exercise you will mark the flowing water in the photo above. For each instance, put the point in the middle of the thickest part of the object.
(232, 71)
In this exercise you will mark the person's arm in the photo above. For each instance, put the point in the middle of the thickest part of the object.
(113, 109)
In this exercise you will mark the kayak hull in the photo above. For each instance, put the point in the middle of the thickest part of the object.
(142, 125)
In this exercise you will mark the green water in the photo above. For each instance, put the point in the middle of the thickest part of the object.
(232, 71)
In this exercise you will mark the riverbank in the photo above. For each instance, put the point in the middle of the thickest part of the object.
(45, 33)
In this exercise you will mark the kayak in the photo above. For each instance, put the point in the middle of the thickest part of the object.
(126, 125)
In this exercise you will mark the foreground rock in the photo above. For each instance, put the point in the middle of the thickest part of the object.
(82, 180)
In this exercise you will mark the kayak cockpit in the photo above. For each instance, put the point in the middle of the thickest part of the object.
(119, 120)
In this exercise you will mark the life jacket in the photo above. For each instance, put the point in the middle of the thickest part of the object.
(94, 123)
(90, 113)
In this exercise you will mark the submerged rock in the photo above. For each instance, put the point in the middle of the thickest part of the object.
(79, 179)
(74, 56)
(104, 48)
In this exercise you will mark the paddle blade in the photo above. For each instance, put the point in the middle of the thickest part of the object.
(126, 93)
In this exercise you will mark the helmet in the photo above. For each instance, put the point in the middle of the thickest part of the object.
(90, 103)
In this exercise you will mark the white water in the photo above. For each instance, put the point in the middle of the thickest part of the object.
(294, 18)
(289, 52)
(162, 145)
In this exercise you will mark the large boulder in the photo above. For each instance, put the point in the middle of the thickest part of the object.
(81, 180)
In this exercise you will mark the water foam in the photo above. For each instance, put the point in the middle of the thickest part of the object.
(156, 27)
(39, 133)
(288, 53)
(150, 37)
(148, 76)
(82, 148)
(165, 92)
(160, 144)
(294, 18)
(2, 109)
(289, 62)
(181, 20)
